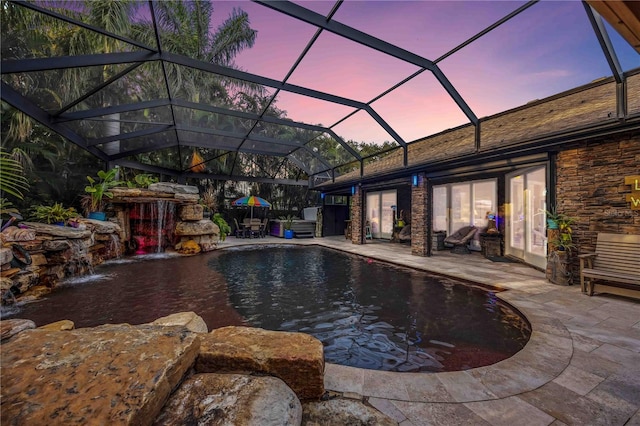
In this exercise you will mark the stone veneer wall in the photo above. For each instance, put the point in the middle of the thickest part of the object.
(419, 211)
(590, 187)
(357, 204)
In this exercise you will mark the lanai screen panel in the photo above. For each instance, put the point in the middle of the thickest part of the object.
(227, 78)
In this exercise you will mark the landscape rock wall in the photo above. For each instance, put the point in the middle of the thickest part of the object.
(36, 256)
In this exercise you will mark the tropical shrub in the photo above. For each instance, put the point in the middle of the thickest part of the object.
(98, 189)
(287, 221)
(142, 180)
(225, 229)
(53, 214)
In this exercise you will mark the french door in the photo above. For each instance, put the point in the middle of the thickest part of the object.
(525, 225)
(462, 204)
(380, 213)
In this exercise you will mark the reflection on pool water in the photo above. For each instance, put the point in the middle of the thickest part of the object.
(368, 314)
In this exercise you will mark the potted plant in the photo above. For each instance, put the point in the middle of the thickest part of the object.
(553, 216)
(56, 214)
(287, 223)
(224, 227)
(563, 238)
(98, 190)
(560, 247)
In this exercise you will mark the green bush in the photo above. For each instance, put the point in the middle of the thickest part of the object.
(53, 214)
(225, 229)
(142, 180)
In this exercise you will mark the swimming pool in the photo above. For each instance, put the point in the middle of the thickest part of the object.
(368, 314)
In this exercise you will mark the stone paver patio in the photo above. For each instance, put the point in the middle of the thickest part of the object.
(580, 367)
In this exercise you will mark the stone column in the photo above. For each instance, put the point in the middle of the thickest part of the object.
(357, 206)
(419, 212)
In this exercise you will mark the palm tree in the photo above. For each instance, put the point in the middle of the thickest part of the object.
(184, 29)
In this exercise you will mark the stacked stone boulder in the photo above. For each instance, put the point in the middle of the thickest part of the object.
(196, 233)
(36, 256)
(193, 233)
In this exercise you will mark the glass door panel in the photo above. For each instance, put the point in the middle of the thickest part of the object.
(380, 213)
(389, 199)
(536, 251)
(463, 204)
(526, 203)
(515, 222)
(373, 213)
(440, 205)
(460, 206)
(484, 202)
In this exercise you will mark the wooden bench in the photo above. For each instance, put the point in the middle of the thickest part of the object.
(616, 262)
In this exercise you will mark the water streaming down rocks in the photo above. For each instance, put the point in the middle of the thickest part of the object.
(52, 253)
(114, 246)
(152, 226)
(79, 260)
(164, 217)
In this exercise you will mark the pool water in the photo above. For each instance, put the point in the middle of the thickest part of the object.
(368, 314)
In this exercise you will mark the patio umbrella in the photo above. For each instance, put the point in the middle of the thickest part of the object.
(251, 201)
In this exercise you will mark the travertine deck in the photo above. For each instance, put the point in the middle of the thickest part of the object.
(581, 366)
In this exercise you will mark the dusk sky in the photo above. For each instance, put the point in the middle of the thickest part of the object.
(547, 49)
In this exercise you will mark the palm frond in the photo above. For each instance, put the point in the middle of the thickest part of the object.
(12, 179)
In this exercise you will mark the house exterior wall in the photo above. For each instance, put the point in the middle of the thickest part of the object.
(590, 187)
(588, 177)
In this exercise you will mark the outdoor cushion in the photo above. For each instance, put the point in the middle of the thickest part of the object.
(405, 233)
(461, 236)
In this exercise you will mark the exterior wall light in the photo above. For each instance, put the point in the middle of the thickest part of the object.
(415, 180)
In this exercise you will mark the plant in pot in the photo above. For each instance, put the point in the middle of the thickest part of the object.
(56, 214)
(563, 240)
(224, 227)
(553, 217)
(287, 223)
(97, 191)
(560, 247)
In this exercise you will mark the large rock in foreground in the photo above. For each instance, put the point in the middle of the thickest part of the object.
(232, 399)
(296, 358)
(112, 374)
(190, 320)
(343, 412)
(12, 327)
